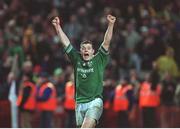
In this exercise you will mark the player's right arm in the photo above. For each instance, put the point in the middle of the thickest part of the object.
(63, 38)
(68, 48)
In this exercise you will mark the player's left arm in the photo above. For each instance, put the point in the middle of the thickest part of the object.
(109, 32)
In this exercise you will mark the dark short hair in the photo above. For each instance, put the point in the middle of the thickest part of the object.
(86, 42)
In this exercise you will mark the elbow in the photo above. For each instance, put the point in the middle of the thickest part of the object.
(107, 39)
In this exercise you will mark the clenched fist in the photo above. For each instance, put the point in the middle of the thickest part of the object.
(56, 21)
(111, 19)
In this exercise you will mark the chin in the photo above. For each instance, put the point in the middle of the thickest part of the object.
(86, 59)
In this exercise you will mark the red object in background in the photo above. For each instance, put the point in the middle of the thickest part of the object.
(5, 114)
(109, 119)
(58, 118)
(59, 115)
(69, 102)
(37, 69)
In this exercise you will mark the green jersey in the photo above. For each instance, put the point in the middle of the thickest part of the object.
(88, 74)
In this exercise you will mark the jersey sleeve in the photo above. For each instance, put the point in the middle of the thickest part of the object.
(103, 56)
(72, 53)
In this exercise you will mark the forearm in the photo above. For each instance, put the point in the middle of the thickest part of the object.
(108, 36)
(63, 38)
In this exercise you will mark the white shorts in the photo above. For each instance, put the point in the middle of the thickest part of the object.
(92, 109)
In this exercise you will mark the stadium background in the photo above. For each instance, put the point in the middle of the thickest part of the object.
(145, 30)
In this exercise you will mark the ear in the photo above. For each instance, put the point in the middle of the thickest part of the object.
(80, 48)
(93, 51)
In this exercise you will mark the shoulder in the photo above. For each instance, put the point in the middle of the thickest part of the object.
(103, 50)
(101, 53)
(68, 48)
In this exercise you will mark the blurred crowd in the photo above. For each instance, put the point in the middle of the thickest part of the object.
(144, 48)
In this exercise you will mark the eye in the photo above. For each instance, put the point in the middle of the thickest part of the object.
(89, 48)
(83, 48)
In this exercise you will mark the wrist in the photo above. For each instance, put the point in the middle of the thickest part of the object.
(111, 24)
(57, 27)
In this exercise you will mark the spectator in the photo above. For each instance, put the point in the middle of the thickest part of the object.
(167, 100)
(59, 82)
(123, 102)
(166, 63)
(149, 100)
(26, 101)
(69, 103)
(46, 100)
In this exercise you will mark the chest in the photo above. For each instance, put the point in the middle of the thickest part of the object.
(85, 69)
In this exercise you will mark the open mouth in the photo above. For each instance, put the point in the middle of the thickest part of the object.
(86, 55)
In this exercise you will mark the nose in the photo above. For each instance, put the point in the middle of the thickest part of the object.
(85, 50)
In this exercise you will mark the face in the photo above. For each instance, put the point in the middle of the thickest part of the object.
(87, 51)
(25, 78)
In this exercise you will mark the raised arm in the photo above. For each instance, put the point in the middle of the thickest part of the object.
(63, 38)
(109, 32)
